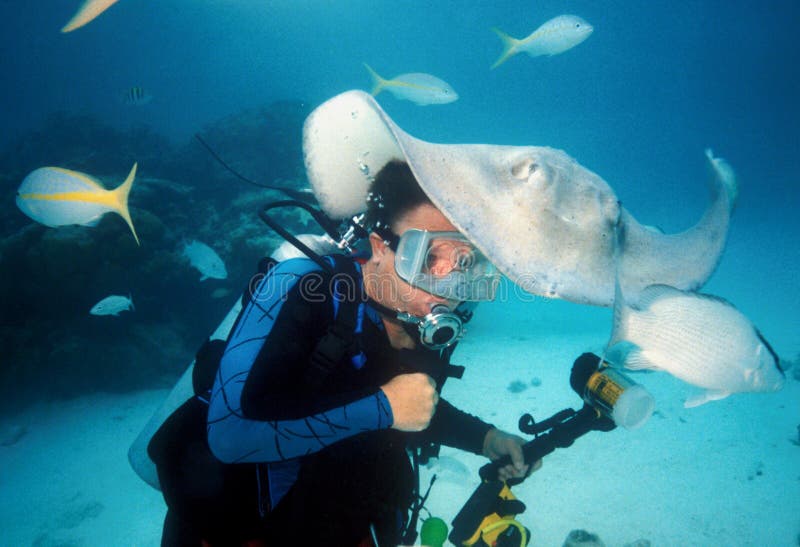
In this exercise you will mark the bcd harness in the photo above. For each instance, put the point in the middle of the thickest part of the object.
(339, 340)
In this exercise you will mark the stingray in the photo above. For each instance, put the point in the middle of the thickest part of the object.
(544, 220)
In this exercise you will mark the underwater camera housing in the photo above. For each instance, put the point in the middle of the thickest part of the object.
(611, 399)
(611, 392)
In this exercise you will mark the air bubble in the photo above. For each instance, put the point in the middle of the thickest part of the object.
(362, 164)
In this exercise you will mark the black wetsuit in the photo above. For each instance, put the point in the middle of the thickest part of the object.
(315, 465)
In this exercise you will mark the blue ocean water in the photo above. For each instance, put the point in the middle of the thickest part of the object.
(638, 102)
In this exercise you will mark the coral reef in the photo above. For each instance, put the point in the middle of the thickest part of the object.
(50, 278)
(82, 143)
(263, 145)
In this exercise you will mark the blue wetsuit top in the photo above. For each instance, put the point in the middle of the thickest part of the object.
(260, 411)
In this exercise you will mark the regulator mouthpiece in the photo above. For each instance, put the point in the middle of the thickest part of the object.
(440, 328)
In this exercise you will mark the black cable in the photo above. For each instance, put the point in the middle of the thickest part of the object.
(305, 249)
(291, 192)
(225, 165)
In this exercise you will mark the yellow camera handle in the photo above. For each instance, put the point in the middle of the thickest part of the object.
(504, 523)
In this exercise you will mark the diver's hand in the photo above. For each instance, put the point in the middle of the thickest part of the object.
(413, 399)
(497, 444)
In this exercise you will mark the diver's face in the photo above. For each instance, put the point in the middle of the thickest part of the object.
(381, 280)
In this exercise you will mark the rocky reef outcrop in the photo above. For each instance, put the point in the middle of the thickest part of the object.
(51, 277)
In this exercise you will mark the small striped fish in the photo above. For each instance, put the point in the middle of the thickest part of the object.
(136, 96)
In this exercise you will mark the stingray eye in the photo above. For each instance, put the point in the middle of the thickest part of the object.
(577, 25)
(524, 169)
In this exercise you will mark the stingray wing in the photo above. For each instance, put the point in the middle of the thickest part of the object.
(547, 222)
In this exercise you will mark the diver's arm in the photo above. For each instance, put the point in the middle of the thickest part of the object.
(259, 411)
(276, 387)
(235, 439)
(453, 427)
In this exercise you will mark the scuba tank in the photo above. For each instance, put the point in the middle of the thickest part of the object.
(305, 245)
(183, 389)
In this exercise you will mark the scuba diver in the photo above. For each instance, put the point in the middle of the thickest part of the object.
(303, 421)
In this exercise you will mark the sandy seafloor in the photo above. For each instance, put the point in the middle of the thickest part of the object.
(726, 473)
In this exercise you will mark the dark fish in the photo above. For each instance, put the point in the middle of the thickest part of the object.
(136, 96)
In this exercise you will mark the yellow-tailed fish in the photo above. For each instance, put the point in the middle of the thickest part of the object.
(59, 197)
(417, 87)
(555, 36)
(87, 13)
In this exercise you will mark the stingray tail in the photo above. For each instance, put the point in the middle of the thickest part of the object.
(726, 177)
(509, 46)
(378, 83)
(121, 195)
(621, 311)
(620, 351)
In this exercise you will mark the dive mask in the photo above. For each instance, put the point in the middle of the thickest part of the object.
(445, 264)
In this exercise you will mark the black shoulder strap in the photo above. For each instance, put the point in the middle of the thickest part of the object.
(340, 339)
(206, 364)
(209, 355)
(265, 266)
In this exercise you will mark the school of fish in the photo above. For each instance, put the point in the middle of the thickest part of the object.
(555, 36)
(700, 339)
